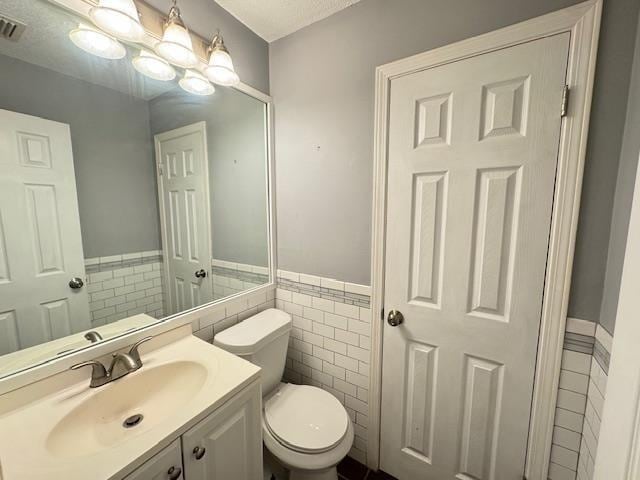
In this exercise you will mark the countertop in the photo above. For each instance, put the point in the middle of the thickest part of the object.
(26, 455)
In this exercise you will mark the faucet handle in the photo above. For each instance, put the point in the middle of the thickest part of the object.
(97, 367)
(93, 336)
(133, 352)
(98, 372)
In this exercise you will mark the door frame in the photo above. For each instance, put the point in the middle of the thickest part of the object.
(201, 128)
(583, 23)
(618, 453)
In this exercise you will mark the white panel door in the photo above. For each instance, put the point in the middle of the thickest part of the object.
(472, 159)
(40, 241)
(228, 443)
(184, 200)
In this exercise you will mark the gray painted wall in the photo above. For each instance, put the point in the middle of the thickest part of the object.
(237, 166)
(250, 53)
(322, 81)
(112, 153)
(623, 198)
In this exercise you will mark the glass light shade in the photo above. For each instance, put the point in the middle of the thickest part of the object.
(118, 18)
(176, 46)
(196, 83)
(220, 69)
(97, 43)
(153, 66)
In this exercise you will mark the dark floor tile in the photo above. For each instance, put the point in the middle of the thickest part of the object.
(352, 469)
(379, 475)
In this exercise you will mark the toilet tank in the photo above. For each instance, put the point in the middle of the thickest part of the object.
(263, 340)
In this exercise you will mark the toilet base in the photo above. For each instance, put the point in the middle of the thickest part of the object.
(328, 474)
(282, 472)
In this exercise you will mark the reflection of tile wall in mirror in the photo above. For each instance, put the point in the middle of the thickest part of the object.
(107, 116)
(230, 278)
(121, 286)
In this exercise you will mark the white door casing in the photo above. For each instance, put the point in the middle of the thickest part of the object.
(40, 239)
(183, 191)
(618, 455)
(583, 22)
(472, 157)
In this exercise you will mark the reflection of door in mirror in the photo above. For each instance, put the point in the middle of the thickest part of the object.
(183, 187)
(40, 243)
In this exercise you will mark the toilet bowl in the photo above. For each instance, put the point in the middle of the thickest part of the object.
(304, 427)
(307, 430)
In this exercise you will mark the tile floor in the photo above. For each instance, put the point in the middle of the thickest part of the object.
(348, 469)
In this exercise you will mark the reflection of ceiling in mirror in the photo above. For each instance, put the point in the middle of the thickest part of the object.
(45, 43)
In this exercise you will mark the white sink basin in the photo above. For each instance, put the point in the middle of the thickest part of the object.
(98, 422)
(75, 432)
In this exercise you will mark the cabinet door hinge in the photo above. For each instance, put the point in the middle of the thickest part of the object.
(565, 101)
(382, 314)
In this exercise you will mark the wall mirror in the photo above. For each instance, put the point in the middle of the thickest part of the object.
(124, 199)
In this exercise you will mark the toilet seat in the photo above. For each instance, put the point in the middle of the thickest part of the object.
(305, 419)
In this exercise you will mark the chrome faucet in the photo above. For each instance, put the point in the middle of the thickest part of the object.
(122, 364)
(93, 336)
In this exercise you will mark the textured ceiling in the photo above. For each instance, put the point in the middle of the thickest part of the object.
(274, 19)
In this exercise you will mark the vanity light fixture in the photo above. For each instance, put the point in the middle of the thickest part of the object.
(196, 83)
(152, 66)
(97, 43)
(220, 69)
(176, 46)
(118, 18)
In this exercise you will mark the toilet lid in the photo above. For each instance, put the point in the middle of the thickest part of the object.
(306, 419)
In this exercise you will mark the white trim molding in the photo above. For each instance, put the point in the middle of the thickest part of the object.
(618, 454)
(583, 22)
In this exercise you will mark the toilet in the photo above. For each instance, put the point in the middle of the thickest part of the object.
(304, 427)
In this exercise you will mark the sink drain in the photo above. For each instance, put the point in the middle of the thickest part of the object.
(133, 420)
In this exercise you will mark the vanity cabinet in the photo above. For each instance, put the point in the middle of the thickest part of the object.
(166, 465)
(228, 443)
(225, 445)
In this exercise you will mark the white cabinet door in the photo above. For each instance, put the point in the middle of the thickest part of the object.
(228, 443)
(40, 242)
(166, 465)
(184, 203)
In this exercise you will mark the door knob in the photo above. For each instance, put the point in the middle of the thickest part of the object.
(199, 452)
(395, 318)
(201, 273)
(76, 283)
(174, 473)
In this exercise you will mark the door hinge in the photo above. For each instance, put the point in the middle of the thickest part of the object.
(382, 314)
(565, 101)
(160, 169)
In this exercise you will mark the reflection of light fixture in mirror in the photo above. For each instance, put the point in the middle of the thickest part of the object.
(176, 46)
(153, 66)
(119, 18)
(196, 83)
(97, 43)
(220, 69)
